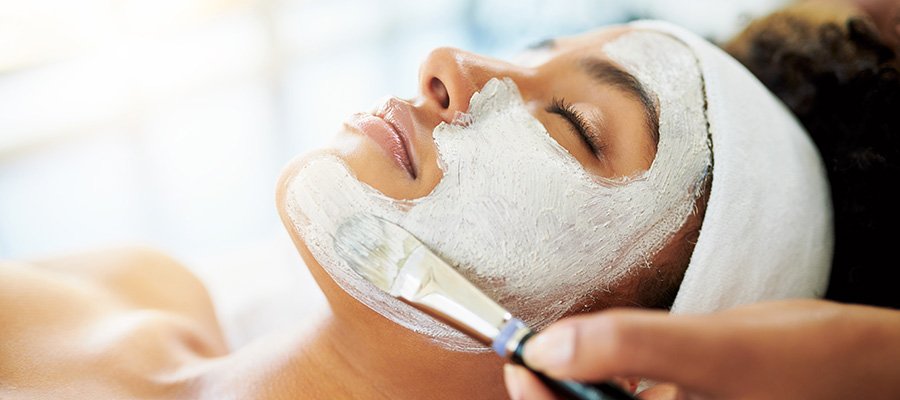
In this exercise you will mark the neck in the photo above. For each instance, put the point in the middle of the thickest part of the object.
(365, 357)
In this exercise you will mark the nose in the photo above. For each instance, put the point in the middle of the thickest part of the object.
(449, 77)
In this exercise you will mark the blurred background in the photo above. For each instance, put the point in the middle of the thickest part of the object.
(166, 122)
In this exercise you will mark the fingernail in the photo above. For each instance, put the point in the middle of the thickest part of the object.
(513, 382)
(551, 349)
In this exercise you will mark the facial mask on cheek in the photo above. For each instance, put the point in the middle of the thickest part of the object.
(514, 212)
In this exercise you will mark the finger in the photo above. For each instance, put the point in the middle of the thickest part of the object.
(683, 349)
(523, 385)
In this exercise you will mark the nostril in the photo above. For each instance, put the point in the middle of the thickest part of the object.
(440, 92)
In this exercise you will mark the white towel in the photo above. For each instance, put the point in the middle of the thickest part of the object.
(767, 233)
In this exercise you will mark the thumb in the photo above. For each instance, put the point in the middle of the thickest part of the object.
(681, 349)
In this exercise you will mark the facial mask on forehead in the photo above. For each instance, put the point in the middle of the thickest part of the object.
(517, 214)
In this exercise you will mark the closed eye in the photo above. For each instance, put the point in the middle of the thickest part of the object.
(577, 122)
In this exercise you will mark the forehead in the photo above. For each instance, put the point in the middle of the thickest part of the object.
(564, 49)
(585, 44)
(592, 40)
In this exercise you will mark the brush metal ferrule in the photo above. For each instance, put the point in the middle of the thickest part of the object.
(507, 343)
(426, 281)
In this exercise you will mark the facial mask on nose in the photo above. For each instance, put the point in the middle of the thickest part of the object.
(517, 214)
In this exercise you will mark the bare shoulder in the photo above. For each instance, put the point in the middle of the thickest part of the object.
(133, 278)
(141, 277)
(66, 320)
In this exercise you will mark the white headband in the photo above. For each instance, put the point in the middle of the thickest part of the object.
(767, 233)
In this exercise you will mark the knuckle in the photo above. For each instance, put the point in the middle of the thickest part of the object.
(618, 336)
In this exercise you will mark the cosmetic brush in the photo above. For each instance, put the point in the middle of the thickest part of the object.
(396, 262)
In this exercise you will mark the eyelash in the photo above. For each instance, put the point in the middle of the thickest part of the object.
(576, 119)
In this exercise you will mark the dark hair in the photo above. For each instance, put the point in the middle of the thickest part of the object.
(843, 85)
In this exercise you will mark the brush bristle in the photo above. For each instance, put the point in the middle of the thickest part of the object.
(373, 247)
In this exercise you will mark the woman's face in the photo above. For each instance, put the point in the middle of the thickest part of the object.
(587, 104)
(545, 181)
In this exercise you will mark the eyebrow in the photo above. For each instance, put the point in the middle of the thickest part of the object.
(607, 73)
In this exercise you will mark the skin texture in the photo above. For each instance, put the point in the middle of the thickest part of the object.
(796, 349)
(133, 323)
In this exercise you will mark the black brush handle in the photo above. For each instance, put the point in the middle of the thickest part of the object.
(572, 390)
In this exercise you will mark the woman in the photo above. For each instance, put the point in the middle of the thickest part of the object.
(624, 115)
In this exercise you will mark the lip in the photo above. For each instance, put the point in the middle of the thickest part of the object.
(390, 126)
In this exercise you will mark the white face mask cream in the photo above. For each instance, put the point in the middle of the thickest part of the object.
(526, 223)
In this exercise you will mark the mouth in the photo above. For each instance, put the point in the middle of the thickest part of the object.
(391, 128)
